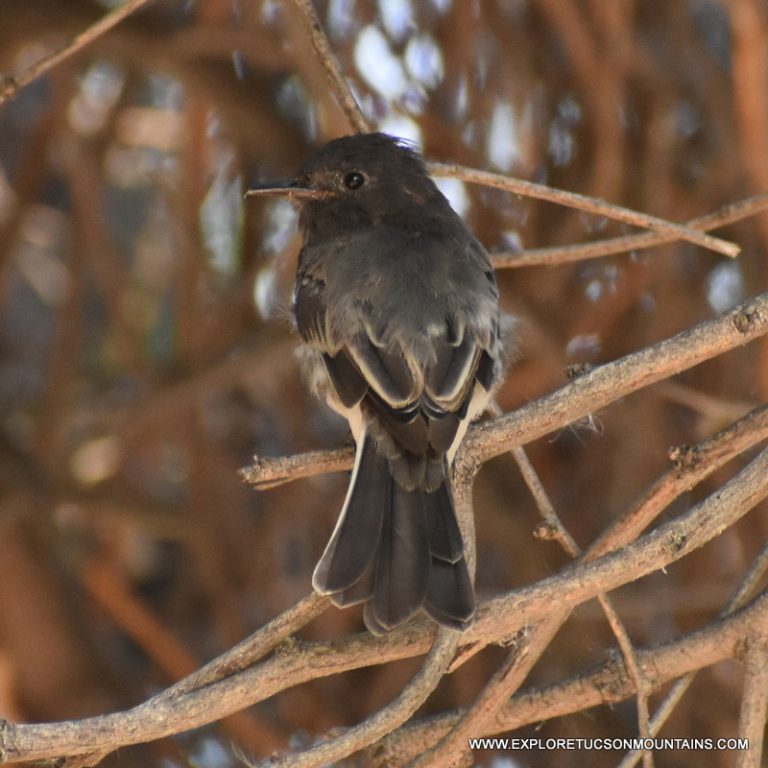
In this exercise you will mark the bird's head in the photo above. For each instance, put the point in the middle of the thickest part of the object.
(359, 179)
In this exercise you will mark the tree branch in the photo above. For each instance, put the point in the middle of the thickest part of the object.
(585, 395)
(566, 254)
(386, 719)
(497, 621)
(10, 85)
(336, 80)
(583, 203)
(609, 683)
(609, 382)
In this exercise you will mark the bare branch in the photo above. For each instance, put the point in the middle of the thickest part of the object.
(584, 203)
(676, 693)
(386, 719)
(754, 702)
(270, 472)
(497, 621)
(566, 254)
(10, 85)
(612, 381)
(253, 648)
(607, 684)
(567, 405)
(336, 80)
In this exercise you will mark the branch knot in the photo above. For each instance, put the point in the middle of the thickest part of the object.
(746, 319)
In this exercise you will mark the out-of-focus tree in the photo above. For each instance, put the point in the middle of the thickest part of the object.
(146, 350)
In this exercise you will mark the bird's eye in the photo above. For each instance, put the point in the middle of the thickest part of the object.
(354, 180)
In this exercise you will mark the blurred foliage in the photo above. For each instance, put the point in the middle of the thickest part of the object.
(146, 351)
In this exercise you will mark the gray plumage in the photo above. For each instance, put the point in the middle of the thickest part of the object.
(398, 306)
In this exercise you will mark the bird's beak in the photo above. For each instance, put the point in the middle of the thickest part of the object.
(290, 190)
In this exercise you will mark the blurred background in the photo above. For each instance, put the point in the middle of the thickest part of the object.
(146, 350)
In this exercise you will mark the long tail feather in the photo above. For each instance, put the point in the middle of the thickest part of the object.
(355, 538)
(402, 565)
(395, 549)
(450, 598)
(445, 540)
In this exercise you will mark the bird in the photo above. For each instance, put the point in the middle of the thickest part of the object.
(397, 307)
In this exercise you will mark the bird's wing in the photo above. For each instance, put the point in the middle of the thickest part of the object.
(420, 404)
(310, 310)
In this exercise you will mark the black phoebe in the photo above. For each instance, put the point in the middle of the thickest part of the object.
(398, 306)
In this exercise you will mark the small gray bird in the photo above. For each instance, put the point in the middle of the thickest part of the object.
(397, 304)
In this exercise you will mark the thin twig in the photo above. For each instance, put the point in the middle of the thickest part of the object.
(566, 254)
(336, 80)
(717, 409)
(642, 689)
(556, 530)
(692, 465)
(250, 650)
(12, 84)
(584, 203)
(551, 518)
(747, 587)
(270, 472)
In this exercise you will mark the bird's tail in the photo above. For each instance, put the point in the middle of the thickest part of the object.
(395, 549)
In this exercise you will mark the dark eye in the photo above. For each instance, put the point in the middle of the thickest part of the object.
(354, 180)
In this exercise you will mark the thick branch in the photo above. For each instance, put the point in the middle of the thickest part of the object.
(584, 396)
(387, 719)
(497, 621)
(612, 381)
(608, 684)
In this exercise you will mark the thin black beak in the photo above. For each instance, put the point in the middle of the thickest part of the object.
(289, 190)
